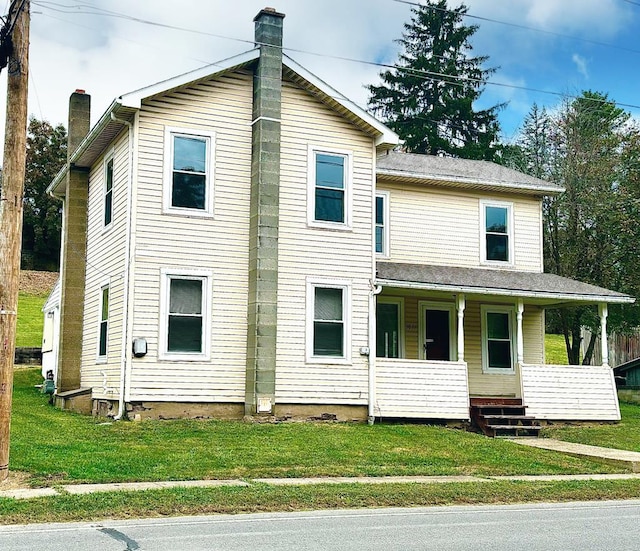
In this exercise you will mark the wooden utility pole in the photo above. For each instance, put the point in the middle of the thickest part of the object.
(16, 30)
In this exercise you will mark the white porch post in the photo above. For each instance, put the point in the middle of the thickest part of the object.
(460, 304)
(520, 335)
(604, 312)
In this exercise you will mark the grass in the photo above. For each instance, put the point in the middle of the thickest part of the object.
(555, 350)
(261, 498)
(54, 446)
(624, 435)
(30, 321)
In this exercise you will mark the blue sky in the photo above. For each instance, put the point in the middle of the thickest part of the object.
(77, 44)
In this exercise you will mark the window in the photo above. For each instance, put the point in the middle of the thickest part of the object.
(497, 233)
(103, 328)
(188, 173)
(497, 339)
(185, 316)
(108, 192)
(389, 324)
(329, 189)
(328, 332)
(382, 223)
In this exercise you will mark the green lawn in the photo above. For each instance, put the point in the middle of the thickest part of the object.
(555, 350)
(30, 321)
(54, 446)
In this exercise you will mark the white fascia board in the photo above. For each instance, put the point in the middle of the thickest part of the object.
(134, 99)
(387, 136)
(467, 290)
(550, 189)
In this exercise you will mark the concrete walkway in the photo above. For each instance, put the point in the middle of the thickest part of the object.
(136, 486)
(628, 459)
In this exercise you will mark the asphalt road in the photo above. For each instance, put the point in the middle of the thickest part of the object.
(593, 526)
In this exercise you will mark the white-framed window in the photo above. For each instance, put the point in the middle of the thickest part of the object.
(185, 315)
(328, 321)
(108, 192)
(389, 327)
(188, 171)
(103, 324)
(329, 195)
(498, 339)
(382, 223)
(497, 232)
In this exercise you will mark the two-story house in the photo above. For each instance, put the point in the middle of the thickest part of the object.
(243, 240)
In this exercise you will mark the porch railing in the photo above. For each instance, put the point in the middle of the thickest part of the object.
(421, 389)
(569, 392)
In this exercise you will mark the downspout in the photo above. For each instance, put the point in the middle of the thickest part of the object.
(125, 322)
(373, 292)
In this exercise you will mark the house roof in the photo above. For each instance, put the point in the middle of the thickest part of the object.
(547, 290)
(452, 172)
(124, 108)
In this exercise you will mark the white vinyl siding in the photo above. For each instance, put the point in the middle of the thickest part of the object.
(216, 244)
(306, 252)
(435, 225)
(105, 262)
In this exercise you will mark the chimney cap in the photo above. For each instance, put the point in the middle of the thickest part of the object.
(80, 91)
(268, 11)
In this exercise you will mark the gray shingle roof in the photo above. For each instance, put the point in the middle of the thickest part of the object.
(411, 167)
(545, 289)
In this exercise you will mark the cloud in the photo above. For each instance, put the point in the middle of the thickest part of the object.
(581, 64)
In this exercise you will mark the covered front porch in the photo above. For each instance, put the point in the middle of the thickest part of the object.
(445, 335)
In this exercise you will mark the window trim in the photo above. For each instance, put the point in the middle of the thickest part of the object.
(423, 306)
(312, 284)
(209, 137)
(166, 275)
(399, 301)
(385, 195)
(510, 233)
(109, 158)
(311, 188)
(498, 309)
(103, 358)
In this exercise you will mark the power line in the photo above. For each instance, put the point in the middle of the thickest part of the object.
(427, 75)
(524, 27)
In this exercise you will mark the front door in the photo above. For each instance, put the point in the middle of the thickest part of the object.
(436, 332)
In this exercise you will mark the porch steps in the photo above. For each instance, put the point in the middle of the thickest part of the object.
(503, 417)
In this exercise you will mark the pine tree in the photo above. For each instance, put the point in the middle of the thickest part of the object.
(428, 99)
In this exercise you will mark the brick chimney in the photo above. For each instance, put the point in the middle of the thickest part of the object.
(264, 216)
(74, 247)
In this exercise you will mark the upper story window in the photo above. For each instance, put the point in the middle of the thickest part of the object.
(189, 171)
(382, 223)
(328, 322)
(103, 327)
(108, 192)
(497, 232)
(185, 316)
(329, 188)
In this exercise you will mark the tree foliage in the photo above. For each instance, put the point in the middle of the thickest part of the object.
(429, 98)
(589, 147)
(42, 220)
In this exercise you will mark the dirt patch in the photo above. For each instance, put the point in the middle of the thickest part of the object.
(37, 283)
(15, 481)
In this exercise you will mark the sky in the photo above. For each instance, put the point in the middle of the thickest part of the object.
(541, 49)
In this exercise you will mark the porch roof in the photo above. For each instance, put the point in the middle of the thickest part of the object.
(548, 290)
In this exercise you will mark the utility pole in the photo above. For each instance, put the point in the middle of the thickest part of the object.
(14, 43)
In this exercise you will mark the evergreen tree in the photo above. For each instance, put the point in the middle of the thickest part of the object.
(42, 218)
(428, 99)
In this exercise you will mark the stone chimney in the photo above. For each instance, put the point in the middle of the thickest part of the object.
(264, 216)
(74, 248)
